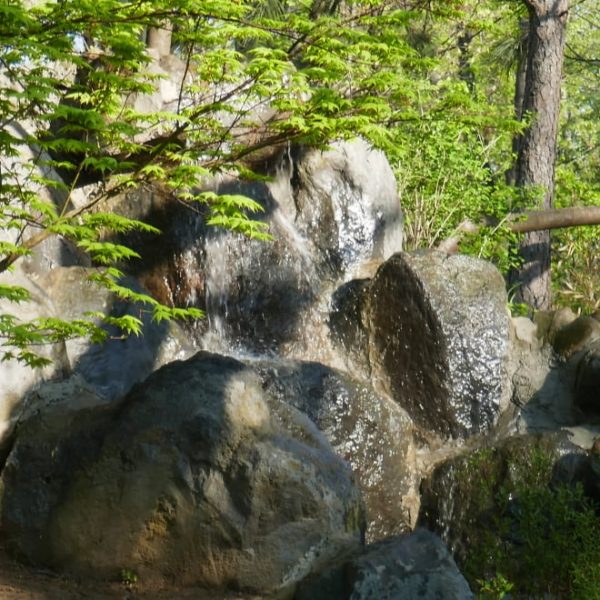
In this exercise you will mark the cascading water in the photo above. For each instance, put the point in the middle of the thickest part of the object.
(327, 219)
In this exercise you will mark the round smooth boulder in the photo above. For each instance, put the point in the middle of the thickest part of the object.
(369, 431)
(196, 476)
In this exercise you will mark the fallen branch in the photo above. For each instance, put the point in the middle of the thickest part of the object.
(535, 220)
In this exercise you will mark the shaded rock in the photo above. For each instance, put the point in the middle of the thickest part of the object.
(16, 378)
(550, 322)
(466, 495)
(438, 340)
(55, 397)
(197, 475)
(113, 366)
(575, 336)
(417, 566)
(530, 364)
(587, 380)
(348, 324)
(371, 432)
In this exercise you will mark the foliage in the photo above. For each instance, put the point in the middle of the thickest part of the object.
(252, 78)
(576, 268)
(451, 164)
(430, 83)
(128, 577)
(528, 537)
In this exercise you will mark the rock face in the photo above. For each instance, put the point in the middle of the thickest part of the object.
(113, 366)
(435, 335)
(372, 433)
(461, 499)
(16, 378)
(347, 205)
(587, 381)
(196, 475)
(328, 212)
(416, 567)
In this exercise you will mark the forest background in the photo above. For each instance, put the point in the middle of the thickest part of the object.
(430, 83)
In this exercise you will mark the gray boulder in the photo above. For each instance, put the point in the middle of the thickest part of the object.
(197, 475)
(347, 205)
(415, 567)
(369, 431)
(434, 334)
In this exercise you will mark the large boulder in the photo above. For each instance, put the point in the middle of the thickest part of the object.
(433, 332)
(415, 567)
(346, 204)
(369, 431)
(329, 212)
(197, 475)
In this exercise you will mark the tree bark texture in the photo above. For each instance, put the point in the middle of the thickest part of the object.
(537, 152)
(519, 99)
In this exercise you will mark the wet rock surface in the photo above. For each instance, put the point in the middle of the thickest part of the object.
(370, 432)
(347, 205)
(329, 212)
(196, 476)
(437, 339)
(418, 566)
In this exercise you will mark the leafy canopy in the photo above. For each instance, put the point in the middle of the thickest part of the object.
(75, 133)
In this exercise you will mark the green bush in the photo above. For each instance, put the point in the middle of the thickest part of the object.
(537, 540)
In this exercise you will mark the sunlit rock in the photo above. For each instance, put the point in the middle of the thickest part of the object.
(370, 432)
(329, 212)
(433, 332)
(416, 566)
(198, 475)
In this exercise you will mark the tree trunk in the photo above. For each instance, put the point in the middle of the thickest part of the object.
(465, 70)
(519, 99)
(537, 152)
